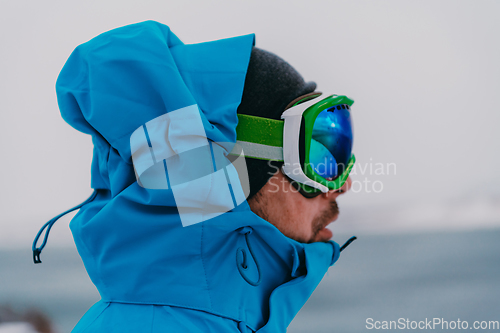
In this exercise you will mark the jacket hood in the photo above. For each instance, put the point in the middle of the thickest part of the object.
(133, 242)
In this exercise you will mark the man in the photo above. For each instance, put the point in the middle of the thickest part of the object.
(271, 86)
(173, 252)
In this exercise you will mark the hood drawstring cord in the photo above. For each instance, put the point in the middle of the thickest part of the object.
(38, 250)
(349, 241)
(242, 263)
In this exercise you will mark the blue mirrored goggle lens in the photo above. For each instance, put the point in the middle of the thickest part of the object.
(331, 143)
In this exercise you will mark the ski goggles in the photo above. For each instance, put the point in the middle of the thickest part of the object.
(314, 140)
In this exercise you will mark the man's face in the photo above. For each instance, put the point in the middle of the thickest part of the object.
(302, 219)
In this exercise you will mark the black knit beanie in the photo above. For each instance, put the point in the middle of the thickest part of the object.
(270, 85)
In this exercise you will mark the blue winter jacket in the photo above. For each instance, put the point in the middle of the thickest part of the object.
(232, 273)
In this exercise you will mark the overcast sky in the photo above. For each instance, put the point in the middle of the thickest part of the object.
(425, 77)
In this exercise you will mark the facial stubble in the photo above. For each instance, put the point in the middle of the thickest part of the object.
(324, 219)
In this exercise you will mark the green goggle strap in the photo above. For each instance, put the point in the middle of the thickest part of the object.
(260, 138)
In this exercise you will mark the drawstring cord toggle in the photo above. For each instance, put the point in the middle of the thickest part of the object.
(47, 226)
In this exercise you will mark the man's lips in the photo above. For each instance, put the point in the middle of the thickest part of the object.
(324, 235)
(320, 231)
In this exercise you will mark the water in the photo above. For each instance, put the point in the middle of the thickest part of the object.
(429, 275)
(384, 277)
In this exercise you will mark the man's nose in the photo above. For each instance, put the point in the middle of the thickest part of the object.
(347, 186)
